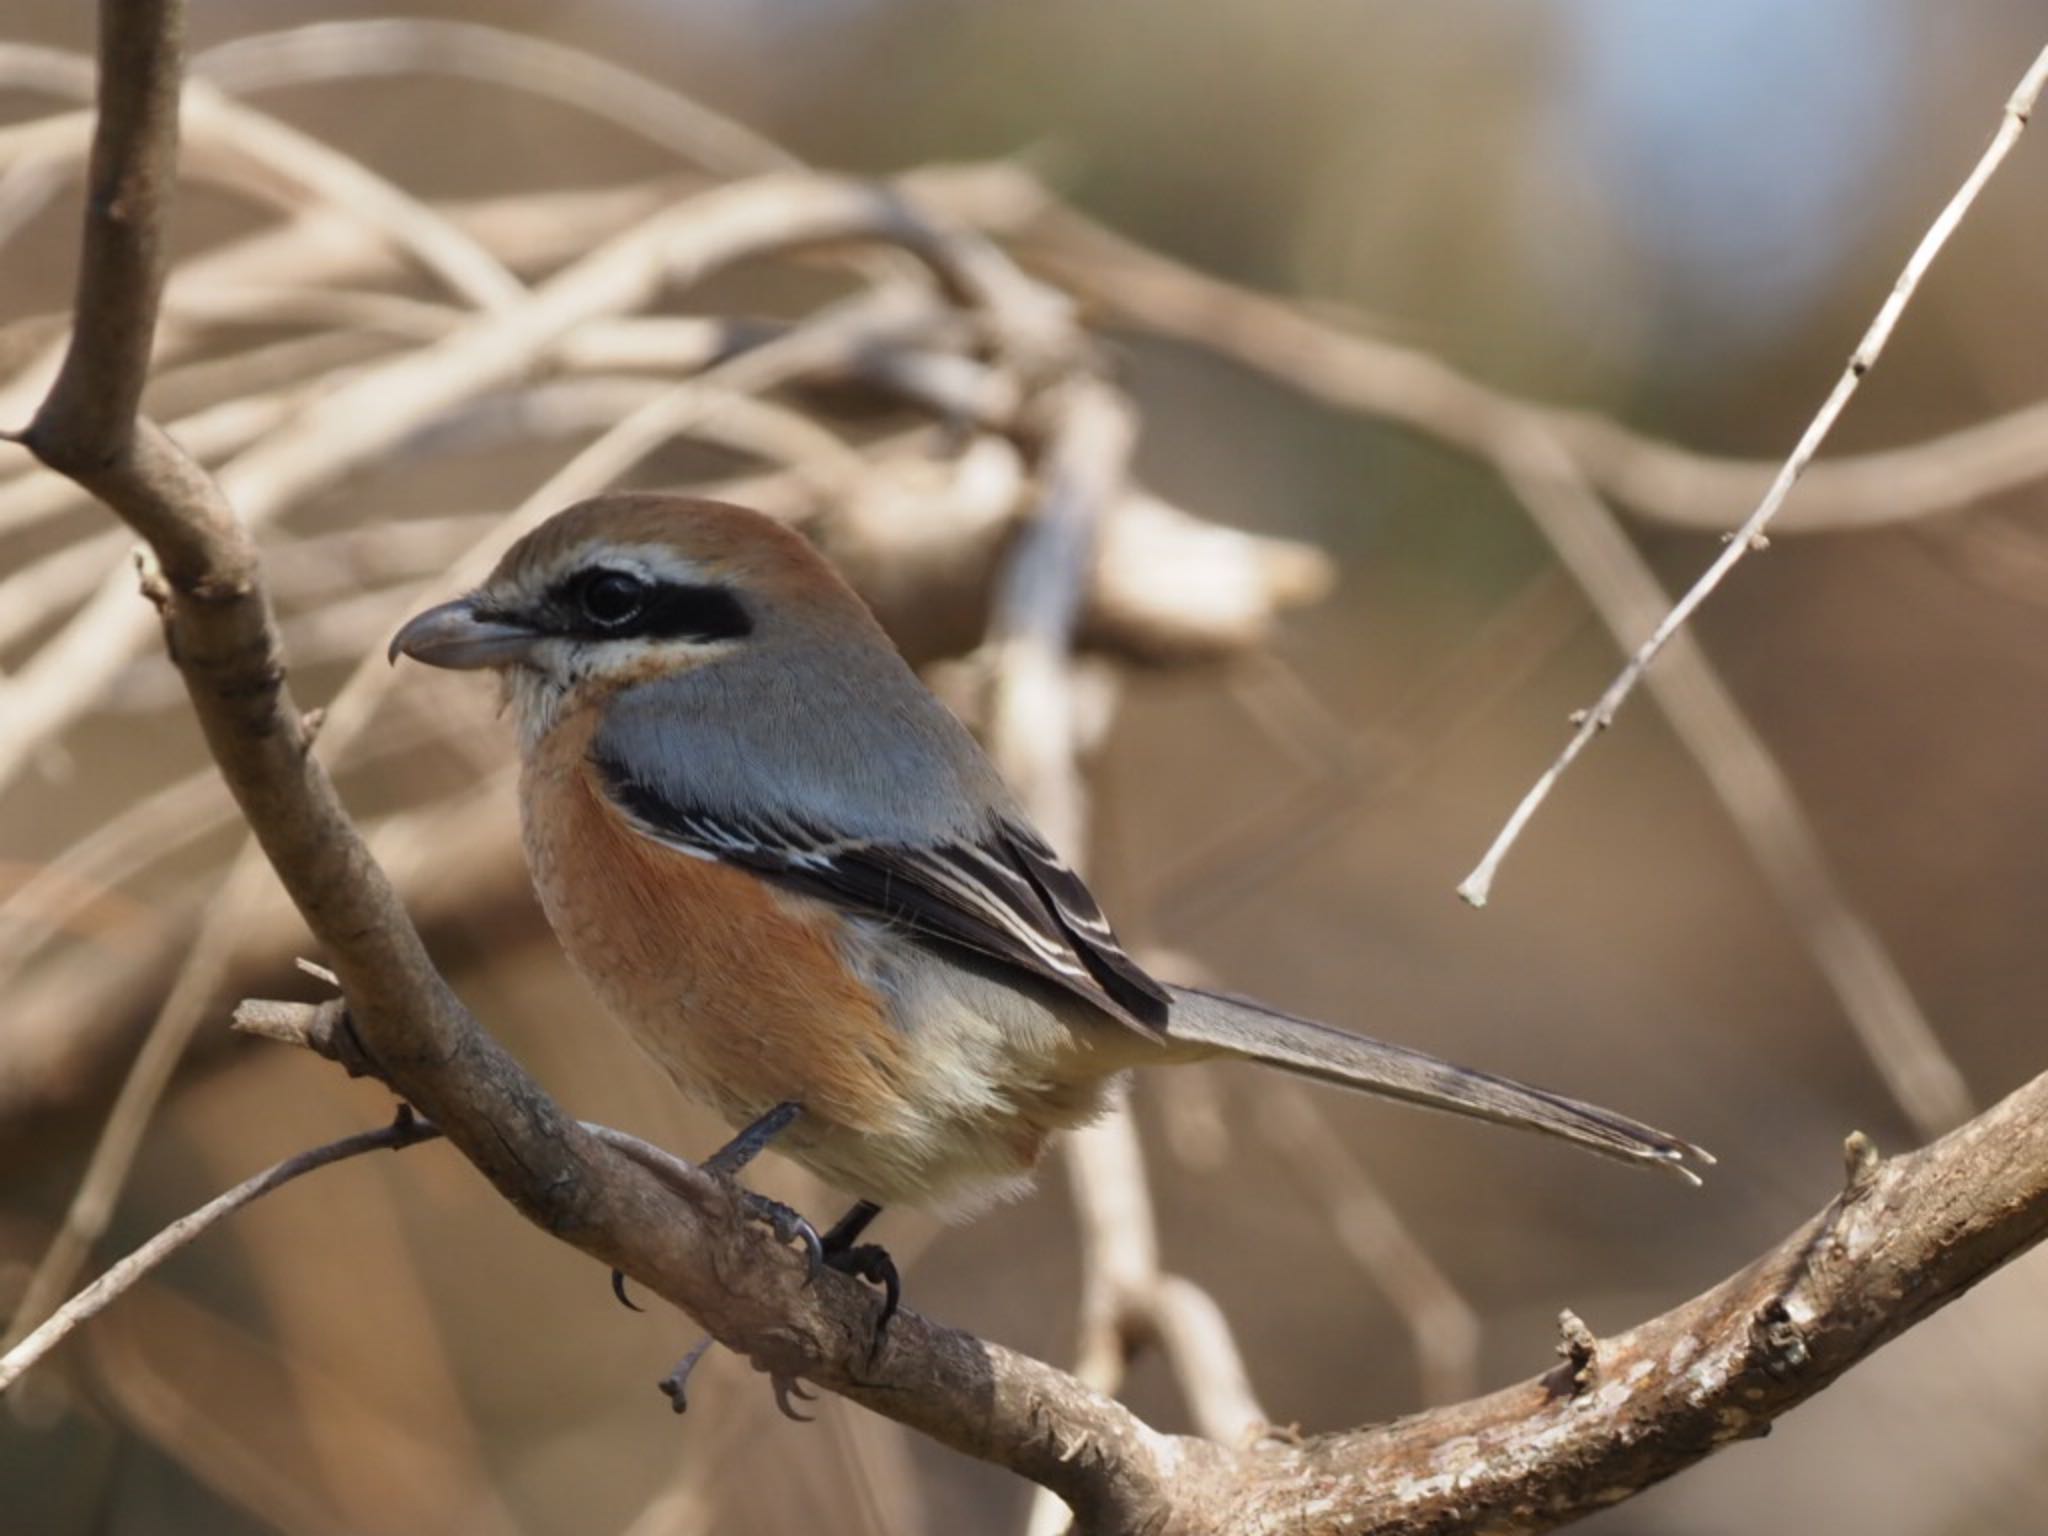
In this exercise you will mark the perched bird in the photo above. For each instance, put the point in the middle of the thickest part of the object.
(795, 878)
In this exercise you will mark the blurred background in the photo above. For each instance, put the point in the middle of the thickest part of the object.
(1679, 218)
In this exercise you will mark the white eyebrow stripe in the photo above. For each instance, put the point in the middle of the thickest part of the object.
(651, 562)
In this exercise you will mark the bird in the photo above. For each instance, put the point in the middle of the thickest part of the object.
(799, 883)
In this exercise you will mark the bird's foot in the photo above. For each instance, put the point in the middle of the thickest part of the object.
(838, 1249)
(788, 1225)
(863, 1261)
(786, 1387)
(870, 1262)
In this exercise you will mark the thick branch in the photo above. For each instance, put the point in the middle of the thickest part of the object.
(1903, 1240)
(134, 161)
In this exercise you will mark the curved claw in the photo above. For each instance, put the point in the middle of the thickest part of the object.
(814, 1253)
(789, 1227)
(619, 1290)
(787, 1387)
(871, 1262)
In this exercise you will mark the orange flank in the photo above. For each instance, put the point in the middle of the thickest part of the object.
(738, 989)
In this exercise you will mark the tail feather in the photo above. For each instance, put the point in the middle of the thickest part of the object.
(1239, 1027)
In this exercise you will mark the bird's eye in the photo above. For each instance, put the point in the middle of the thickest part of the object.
(611, 598)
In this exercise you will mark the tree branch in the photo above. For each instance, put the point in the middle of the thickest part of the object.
(1478, 885)
(406, 1131)
(1903, 1239)
(977, 1397)
(90, 412)
(1404, 386)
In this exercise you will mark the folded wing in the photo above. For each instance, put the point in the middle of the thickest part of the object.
(1006, 896)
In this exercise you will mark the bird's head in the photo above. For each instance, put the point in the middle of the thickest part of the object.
(626, 588)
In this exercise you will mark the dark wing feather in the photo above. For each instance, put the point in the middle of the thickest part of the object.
(1008, 898)
(1083, 923)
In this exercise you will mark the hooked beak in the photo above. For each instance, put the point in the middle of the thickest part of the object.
(455, 635)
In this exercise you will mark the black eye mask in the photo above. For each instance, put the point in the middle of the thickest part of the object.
(610, 604)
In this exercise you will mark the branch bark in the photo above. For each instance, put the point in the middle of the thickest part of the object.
(1903, 1239)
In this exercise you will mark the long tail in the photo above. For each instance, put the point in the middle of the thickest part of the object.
(1239, 1027)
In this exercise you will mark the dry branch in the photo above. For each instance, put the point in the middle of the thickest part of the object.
(406, 1131)
(1134, 286)
(1476, 886)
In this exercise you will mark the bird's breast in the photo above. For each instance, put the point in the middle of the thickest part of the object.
(741, 990)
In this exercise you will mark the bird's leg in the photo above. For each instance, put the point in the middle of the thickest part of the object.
(847, 1229)
(787, 1225)
(753, 1139)
(864, 1261)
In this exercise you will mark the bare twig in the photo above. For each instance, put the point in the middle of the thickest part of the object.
(1654, 479)
(322, 1029)
(1039, 604)
(408, 1130)
(1476, 886)
(1125, 1296)
(354, 49)
(113, 1155)
(1894, 1031)
(98, 390)
(378, 408)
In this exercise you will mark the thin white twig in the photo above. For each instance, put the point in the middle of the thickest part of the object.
(1478, 885)
(1196, 1338)
(1555, 463)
